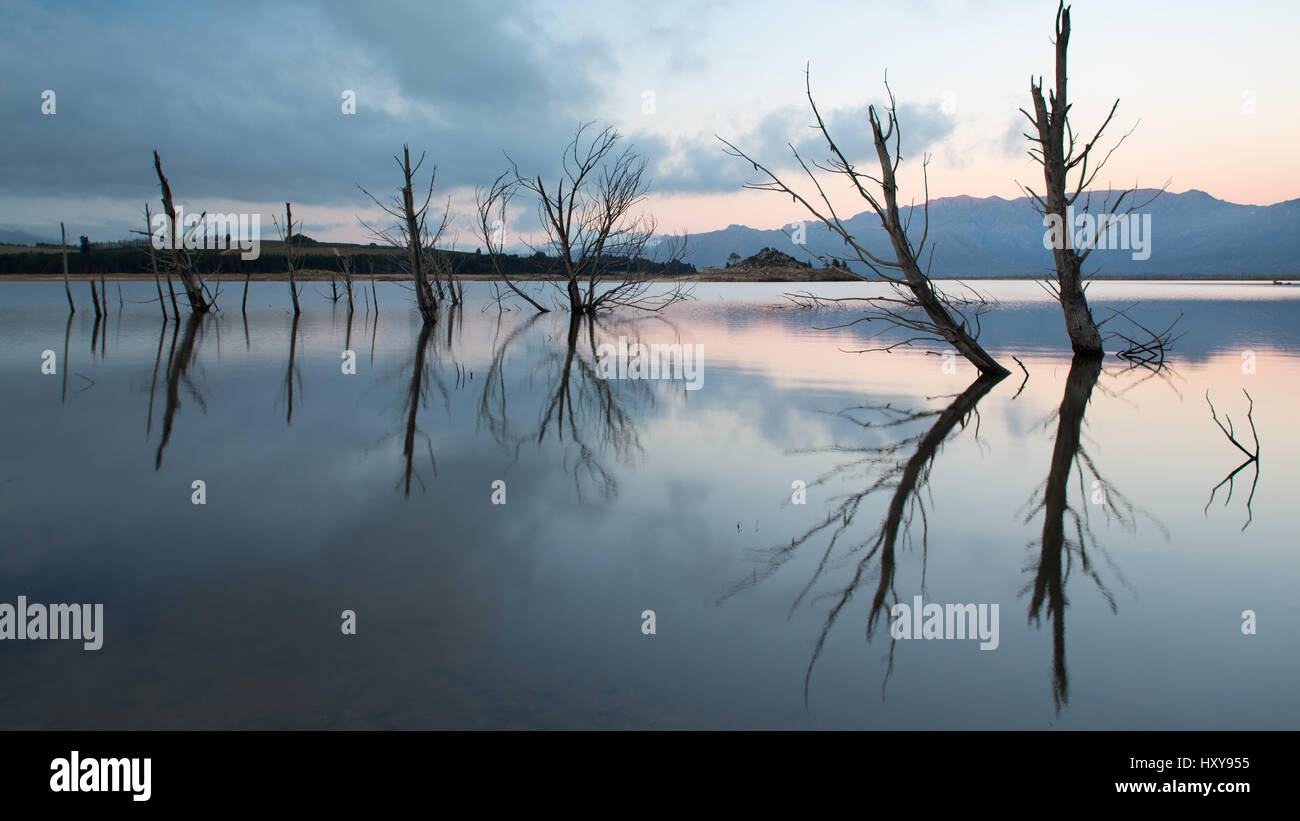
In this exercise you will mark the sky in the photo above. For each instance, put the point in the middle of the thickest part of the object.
(245, 101)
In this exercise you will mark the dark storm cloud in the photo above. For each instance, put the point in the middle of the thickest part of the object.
(243, 100)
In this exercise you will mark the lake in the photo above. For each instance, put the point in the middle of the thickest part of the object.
(769, 515)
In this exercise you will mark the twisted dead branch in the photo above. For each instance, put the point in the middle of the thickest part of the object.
(917, 306)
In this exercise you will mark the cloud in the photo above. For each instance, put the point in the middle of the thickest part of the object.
(244, 102)
(697, 164)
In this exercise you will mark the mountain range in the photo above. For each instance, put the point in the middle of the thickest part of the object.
(1191, 233)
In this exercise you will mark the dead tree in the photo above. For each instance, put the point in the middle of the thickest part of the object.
(180, 257)
(345, 268)
(286, 234)
(443, 266)
(94, 296)
(916, 305)
(1054, 147)
(153, 263)
(600, 243)
(63, 241)
(412, 234)
(374, 295)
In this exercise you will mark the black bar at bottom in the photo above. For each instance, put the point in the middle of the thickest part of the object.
(337, 769)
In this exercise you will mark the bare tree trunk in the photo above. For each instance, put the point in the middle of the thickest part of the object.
(180, 257)
(63, 241)
(413, 235)
(176, 311)
(1052, 127)
(913, 289)
(288, 255)
(917, 281)
(153, 261)
(95, 297)
(415, 243)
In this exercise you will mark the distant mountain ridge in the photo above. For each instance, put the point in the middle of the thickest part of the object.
(1191, 233)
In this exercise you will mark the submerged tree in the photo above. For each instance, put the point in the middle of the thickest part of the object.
(412, 233)
(286, 234)
(1054, 146)
(181, 262)
(599, 240)
(916, 305)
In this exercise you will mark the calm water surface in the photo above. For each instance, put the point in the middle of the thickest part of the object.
(1076, 502)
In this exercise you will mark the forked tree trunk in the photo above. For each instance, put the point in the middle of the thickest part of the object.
(415, 245)
(1079, 324)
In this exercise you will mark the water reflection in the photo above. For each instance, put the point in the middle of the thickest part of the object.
(291, 374)
(179, 360)
(417, 396)
(527, 615)
(592, 419)
(1058, 552)
(1056, 555)
(899, 467)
